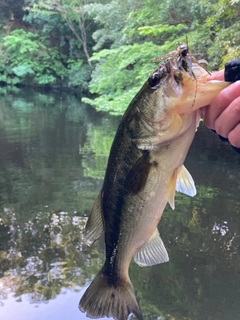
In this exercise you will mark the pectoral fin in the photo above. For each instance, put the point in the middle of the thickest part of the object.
(153, 252)
(185, 183)
(171, 189)
(94, 226)
(180, 181)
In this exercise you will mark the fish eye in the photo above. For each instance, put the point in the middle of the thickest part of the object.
(154, 80)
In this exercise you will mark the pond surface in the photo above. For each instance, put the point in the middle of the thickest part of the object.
(53, 154)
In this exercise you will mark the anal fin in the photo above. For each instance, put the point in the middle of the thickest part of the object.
(153, 252)
(94, 226)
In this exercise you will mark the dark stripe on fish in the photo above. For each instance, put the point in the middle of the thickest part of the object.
(137, 176)
(113, 207)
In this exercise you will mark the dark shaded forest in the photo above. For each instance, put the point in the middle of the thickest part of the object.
(106, 47)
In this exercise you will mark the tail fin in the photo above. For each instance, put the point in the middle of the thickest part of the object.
(104, 300)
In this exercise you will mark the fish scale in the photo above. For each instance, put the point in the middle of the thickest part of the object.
(144, 170)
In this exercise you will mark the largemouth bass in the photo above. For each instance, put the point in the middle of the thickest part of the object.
(144, 169)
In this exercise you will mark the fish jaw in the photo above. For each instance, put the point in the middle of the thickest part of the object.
(198, 94)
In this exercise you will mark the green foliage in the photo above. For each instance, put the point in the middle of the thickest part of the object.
(54, 32)
(170, 13)
(28, 53)
(54, 42)
(23, 70)
(162, 30)
(21, 42)
(121, 71)
(96, 149)
(78, 74)
(111, 20)
(119, 74)
(225, 27)
(45, 55)
(8, 76)
(73, 14)
(226, 46)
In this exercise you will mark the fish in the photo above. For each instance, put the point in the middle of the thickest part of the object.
(145, 168)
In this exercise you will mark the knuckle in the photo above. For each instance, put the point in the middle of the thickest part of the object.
(236, 108)
(209, 123)
(234, 136)
(220, 128)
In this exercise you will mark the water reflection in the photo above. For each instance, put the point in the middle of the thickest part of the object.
(53, 153)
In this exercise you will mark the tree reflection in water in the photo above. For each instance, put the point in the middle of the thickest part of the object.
(53, 157)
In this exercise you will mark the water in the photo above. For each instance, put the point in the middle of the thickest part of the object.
(53, 154)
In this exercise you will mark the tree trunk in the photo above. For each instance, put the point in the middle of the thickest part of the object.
(83, 38)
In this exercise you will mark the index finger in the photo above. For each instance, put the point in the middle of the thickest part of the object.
(220, 103)
(219, 75)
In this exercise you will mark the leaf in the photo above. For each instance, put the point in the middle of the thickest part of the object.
(23, 70)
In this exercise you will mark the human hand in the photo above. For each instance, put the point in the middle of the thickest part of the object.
(223, 113)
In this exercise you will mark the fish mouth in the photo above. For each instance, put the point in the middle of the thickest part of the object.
(175, 70)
